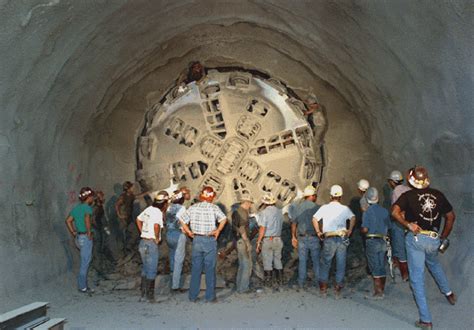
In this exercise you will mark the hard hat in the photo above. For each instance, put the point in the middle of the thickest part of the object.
(312, 99)
(309, 191)
(207, 194)
(85, 193)
(268, 199)
(363, 184)
(372, 195)
(177, 195)
(246, 197)
(336, 191)
(161, 197)
(396, 176)
(418, 177)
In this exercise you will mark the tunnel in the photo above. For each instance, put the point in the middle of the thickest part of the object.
(79, 79)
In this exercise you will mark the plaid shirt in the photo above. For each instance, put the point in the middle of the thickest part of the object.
(202, 217)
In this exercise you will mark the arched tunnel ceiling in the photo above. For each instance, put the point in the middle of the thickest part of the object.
(403, 68)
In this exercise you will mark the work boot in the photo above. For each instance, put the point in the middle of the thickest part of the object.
(279, 276)
(403, 265)
(396, 262)
(143, 288)
(150, 294)
(337, 291)
(378, 289)
(323, 289)
(424, 325)
(382, 286)
(268, 274)
(451, 298)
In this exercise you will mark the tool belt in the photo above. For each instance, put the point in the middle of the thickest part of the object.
(271, 237)
(337, 233)
(429, 233)
(372, 236)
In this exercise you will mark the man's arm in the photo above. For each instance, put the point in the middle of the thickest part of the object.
(157, 232)
(449, 219)
(294, 239)
(186, 229)
(139, 225)
(217, 231)
(352, 222)
(364, 230)
(118, 204)
(261, 233)
(316, 228)
(70, 226)
(88, 225)
(397, 214)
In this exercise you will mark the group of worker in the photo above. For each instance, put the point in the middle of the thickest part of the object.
(319, 232)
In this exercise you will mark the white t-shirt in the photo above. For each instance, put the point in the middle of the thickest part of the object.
(150, 216)
(334, 216)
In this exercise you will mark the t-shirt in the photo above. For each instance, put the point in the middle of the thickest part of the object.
(334, 216)
(150, 217)
(398, 191)
(304, 217)
(79, 215)
(376, 219)
(425, 207)
(126, 208)
(272, 219)
(240, 217)
(173, 214)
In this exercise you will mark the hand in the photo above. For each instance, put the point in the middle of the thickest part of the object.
(249, 247)
(215, 233)
(320, 235)
(414, 228)
(294, 242)
(190, 234)
(259, 248)
(349, 233)
(89, 235)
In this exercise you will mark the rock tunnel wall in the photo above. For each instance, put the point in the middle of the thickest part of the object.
(396, 78)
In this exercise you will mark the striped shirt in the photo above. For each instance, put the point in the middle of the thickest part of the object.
(202, 217)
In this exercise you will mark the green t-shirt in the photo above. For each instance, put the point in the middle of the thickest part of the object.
(79, 214)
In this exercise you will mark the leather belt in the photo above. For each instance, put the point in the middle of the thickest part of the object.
(148, 239)
(204, 235)
(307, 235)
(372, 236)
(81, 233)
(337, 233)
(271, 237)
(429, 233)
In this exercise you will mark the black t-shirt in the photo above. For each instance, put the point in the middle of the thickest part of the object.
(240, 217)
(425, 207)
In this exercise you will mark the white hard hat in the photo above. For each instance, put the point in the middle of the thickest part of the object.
(246, 197)
(396, 176)
(309, 191)
(372, 195)
(363, 184)
(268, 199)
(336, 191)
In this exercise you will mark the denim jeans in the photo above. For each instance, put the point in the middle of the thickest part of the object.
(149, 253)
(398, 241)
(84, 244)
(375, 250)
(203, 258)
(308, 245)
(245, 266)
(423, 250)
(177, 247)
(334, 246)
(271, 253)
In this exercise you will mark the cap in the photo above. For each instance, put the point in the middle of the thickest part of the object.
(372, 195)
(161, 196)
(363, 184)
(268, 199)
(336, 191)
(309, 191)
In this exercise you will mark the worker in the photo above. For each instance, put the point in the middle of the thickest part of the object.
(375, 224)
(199, 223)
(421, 210)
(330, 225)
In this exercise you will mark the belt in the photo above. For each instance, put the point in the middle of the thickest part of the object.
(204, 235)
(372, 236)
(271, 237)
(81, 233)
(148, 239)
(337, 233)
(307, 235)
(429, 233)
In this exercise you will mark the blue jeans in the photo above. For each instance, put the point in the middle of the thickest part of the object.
(308, 245)
(149, 252)
(334, 246)
(85, 246)
(245, 267)
(398, 241)
(375, 250)
(423, 250)
(203, 257)
(177, 247)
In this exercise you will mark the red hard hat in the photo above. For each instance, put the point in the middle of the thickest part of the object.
(207, 194)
